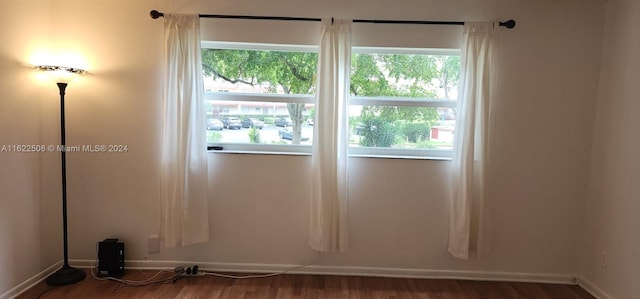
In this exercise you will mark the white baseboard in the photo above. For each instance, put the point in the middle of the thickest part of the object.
(592, 289)
(350, 271)
(325, 270)
(29, 283)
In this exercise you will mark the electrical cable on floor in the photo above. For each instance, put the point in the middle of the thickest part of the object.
(176, 275)
(133, 283)
(209, 273)
(126, 281)
(44, 292)
(138, 283)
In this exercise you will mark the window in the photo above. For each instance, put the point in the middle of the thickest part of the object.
(268, 96)
(403, 101)
(403, 87)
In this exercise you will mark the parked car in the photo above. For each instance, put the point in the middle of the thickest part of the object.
(252, 123)
(214, 124)
(232, 123)
(288, 135)
(283, 122)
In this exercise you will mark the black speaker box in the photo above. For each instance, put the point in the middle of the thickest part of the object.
(111, 258)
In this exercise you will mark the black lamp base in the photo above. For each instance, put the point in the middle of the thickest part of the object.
(65, 276)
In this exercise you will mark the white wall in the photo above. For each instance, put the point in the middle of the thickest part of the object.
(30, 225)
(613, 214)
(547, 82)
(547, 78)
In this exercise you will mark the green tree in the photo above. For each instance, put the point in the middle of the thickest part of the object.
(394, 75)
(376, 132)
(373, 75)
(291, 72)
(448, 72)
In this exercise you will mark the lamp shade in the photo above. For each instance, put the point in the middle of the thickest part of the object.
(61, 74)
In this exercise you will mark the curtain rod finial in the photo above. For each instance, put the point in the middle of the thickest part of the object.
(509, 24)
(155, 14)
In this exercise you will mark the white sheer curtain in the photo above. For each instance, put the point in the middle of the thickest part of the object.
(469, 219)
(328, 218)
(184, 212)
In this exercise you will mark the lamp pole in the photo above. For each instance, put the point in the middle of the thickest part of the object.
(67, 274)
(62, 87)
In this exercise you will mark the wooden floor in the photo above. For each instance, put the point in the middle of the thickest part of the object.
(305, 286)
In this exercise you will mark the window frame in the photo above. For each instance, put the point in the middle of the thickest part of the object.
(253, 148)
(400, 153)
(354, 151)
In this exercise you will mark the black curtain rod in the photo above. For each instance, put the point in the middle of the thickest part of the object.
(508, 24)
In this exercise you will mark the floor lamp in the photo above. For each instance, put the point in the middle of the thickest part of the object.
(67, 274)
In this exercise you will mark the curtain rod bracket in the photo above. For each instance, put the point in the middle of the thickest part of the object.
(509, 24)
(155, 14)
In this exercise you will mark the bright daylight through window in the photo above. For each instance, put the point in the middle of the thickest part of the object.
(261, 98)
(403, 101)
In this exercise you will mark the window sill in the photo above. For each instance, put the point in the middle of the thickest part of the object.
(370, 156)
(246, 152)
(400, 157)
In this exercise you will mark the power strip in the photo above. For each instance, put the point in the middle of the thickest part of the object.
(188, 272)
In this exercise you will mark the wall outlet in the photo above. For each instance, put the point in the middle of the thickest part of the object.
(604, 262)
(154, 244)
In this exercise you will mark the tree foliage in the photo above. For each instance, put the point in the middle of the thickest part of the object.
(289, 72)
(394, 75)
(254, 135)
(372, 75)
(449, 72)
(376, 132)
